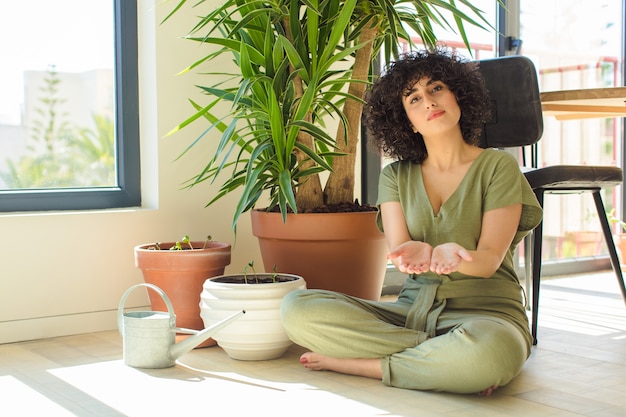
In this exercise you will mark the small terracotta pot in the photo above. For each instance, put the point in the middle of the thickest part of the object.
(181, 274)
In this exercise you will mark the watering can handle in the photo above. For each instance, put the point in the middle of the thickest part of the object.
(120, 310)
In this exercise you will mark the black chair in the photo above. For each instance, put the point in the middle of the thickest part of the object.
(518, 122)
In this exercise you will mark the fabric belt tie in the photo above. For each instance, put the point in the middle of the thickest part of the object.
(433, 293)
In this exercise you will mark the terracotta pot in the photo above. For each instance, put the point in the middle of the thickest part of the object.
(258, 334)
(342, 252)
(585, 243)
(181, 274)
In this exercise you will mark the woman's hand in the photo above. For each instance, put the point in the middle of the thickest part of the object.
(412, 257)
(446, 258)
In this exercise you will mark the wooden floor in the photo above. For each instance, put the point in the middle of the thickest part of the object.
(577, 369)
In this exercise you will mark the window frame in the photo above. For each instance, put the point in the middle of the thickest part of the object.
(128, 191)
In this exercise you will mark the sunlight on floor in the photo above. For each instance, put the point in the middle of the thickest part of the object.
(19, 399)
(137, 392)
(584, 305)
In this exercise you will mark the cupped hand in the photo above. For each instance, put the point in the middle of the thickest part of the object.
(447, 257)
(412, 257)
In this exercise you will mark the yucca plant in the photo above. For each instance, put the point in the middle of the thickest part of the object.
(298, 64)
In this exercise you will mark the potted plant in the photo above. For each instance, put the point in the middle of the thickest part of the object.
(259, 334)
(180, 269)
(298, 67)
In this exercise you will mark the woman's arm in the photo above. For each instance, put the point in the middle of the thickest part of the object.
(408, 256)
(394, 224)
(498, 230)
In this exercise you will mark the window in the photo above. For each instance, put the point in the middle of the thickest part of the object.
(576, 47)
(69, 122)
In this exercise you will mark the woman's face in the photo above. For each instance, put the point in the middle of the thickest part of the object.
(431, 107)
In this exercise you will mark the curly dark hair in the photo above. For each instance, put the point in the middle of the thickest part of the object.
(388, 126)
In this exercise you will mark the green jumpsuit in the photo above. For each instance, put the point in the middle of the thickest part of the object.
(455, 332)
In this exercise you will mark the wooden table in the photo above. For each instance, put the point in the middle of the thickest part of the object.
(587, 103)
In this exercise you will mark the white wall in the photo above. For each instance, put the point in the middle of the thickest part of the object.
(63, 273)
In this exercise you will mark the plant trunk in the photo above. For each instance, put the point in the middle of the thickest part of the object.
(309, 192)
(340, 185)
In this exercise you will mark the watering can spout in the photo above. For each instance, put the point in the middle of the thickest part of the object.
(199, 336)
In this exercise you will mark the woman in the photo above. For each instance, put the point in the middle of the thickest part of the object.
(452, 214)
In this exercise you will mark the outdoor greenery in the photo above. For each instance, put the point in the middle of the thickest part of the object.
(60, 154)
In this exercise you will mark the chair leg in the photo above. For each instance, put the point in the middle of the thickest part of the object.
(536, 265)
(610, 244)
(528, 254)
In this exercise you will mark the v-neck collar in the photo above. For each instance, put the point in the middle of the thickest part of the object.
(454, 194)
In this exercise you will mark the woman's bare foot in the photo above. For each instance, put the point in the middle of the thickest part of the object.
(369, 368)
(488, 391)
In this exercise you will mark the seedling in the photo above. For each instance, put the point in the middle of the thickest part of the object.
(245, 272)
(179, 244)
(256, 277)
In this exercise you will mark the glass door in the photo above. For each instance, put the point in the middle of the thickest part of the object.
(575, 45)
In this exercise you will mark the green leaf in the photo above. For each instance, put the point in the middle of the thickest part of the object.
(286, 189)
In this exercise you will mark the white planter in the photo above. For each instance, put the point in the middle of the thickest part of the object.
(257, 335)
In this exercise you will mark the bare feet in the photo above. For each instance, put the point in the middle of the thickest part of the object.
(488, 391)
(369, 368)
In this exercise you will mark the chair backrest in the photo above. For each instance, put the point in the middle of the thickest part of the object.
(516, 113)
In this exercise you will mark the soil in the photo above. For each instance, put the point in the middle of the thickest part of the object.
(265, 279)
(337, 208)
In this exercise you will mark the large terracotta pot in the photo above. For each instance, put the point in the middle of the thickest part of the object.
(343, 252)
(181, 274)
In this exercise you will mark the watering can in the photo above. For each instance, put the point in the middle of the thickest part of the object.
(149, 336)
